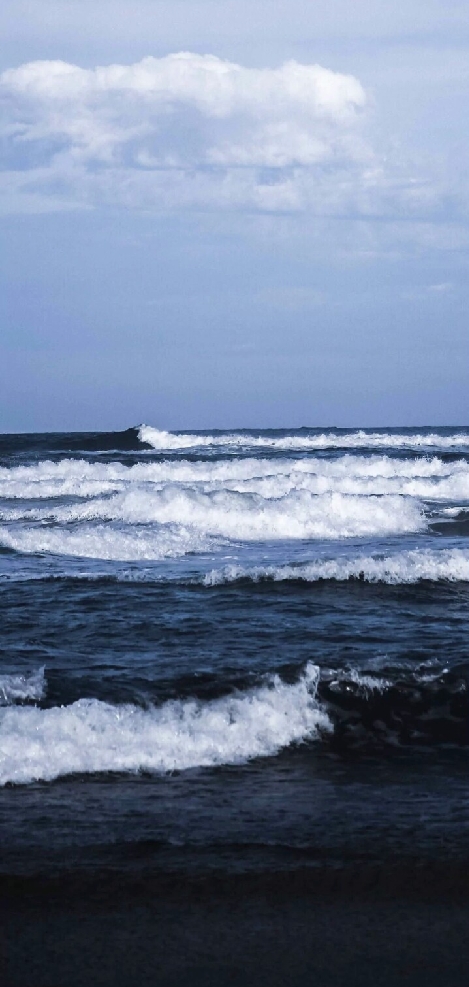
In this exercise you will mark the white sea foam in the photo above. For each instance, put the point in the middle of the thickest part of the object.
(190, 520)
(157, 510)
(158, 439)
(401, 567)
(425, 478)
(405, 567)
(91, 736)
(100, 541)
(18, 688)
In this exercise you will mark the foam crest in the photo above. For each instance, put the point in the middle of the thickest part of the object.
(162, 440)
(101, 541)
(188, 516)
(159, 439)
(91, 736)
(455, 488)
(421, 477)
(20, 688)
(402, 567)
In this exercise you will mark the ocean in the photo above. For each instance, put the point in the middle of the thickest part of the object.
(233, 671)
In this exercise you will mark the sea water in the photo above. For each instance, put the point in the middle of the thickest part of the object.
(233, 650)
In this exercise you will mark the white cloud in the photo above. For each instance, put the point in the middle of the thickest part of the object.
(183, 130)
(192, 131)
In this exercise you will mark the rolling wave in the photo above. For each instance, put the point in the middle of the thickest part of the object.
(162, 440)
(407, 567)
(153, 510)
(100, 541)
(427, 479)
(348, 709)
(413, 566)
(145, 437)
(91, 736)
(421, 708)
(62, 443)
(184, 521)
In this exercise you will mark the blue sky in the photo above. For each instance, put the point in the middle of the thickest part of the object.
(221, 214)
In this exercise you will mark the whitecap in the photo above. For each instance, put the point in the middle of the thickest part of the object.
(162, 440)
(174, 521)
(424, 477)
(100, 541)
(92, 736)
(398, 568)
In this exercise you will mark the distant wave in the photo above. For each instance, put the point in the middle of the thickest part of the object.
(137, 438)
(162, 440)
(91, 736)
(167, 508)
(63, 443)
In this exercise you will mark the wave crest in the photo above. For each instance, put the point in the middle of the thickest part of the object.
(162, 440)
(91, 736)
(425, 478)
(410, 566)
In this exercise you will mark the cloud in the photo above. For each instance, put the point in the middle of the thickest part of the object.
(196, 132)
(183, 130)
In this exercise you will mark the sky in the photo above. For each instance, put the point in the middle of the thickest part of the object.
(233, 213)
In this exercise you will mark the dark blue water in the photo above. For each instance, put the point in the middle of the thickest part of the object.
(238, 652)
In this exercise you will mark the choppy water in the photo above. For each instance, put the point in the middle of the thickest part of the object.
(234, 646)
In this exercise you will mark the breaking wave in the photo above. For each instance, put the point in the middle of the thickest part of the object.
(100, 541)
(185, 520)
(425, 478)
(162, 440)
(91, 736)
(410, 566)
(347, 708)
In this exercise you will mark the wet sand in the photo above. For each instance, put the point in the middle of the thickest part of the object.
(406, 923)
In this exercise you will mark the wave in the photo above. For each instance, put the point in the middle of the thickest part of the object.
(100, 541)
(347, 709)
(175, 521)
(132, 440)
(61, 443)
(20, 688)
(91, 736)
(161, 440)
(407, 567)
(411, 566)
(424, 478)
